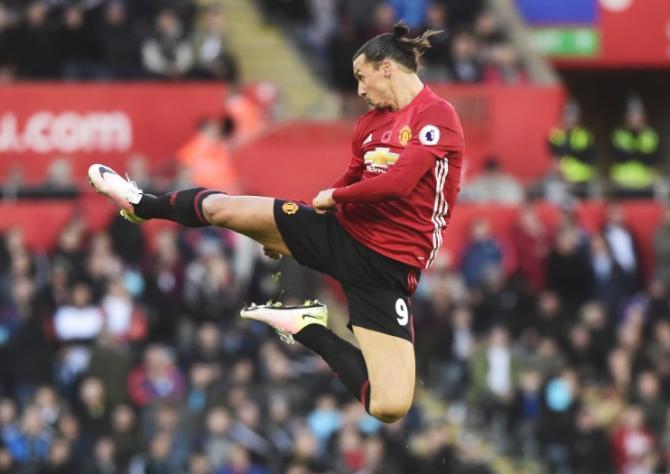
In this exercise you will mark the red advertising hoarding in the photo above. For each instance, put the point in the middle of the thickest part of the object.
(89, 122)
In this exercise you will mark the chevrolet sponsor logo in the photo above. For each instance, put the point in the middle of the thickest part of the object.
(380, 157)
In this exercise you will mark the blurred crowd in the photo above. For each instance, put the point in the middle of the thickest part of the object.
(113, 40)
(122, 351)
(473, 47)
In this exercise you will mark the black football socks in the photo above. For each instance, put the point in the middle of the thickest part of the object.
(344, 359)
(183, 207)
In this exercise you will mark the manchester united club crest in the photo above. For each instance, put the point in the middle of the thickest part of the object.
(405, 135)
(290, 208)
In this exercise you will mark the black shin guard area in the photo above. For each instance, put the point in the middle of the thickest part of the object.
(346, 360)
(184, 207)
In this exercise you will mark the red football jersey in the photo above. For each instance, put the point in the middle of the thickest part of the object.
(399, 189)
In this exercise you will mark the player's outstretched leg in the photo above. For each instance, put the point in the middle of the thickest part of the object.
(249, 215)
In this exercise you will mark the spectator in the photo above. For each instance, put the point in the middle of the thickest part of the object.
(103, 461)
(464, 66)
(531, 245)
(33, 51)
(590, 448)
(166, 54)
(482, 255)
(120, 48)
(81, 320)
(494, 376)
(124, 436)
(624, 250)
(93, 409)
(7, 36)
(59, 460)
(28, 443)
(341, 47)
(79, 44)
(240, 463)
(503, 65)
(648, 398)
(412, 11)
(213, 59)
(435, 60)
(569, 271)
(633, 444)
(157, 378)
(493, 185)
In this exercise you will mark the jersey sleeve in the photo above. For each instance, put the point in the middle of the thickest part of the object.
(437, 131)
(354, 171)
(396, 183)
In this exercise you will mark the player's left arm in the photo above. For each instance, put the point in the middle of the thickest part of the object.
(438, 136)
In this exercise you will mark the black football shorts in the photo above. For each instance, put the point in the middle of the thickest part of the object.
(377, 287)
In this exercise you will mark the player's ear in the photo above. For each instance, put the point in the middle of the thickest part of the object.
(387, 68)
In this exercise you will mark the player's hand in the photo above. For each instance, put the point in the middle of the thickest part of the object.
(324, 202)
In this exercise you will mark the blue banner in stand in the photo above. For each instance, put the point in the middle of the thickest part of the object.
(573, 12)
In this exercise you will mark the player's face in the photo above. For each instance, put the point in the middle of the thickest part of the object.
(373, 82)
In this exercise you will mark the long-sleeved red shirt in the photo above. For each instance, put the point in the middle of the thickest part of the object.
(401, 183)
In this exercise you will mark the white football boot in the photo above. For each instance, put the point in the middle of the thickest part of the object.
(123, 192)
(288, 320)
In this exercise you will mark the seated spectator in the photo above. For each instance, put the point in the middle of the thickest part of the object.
(93, 409)
(104, 457)
(464, 65)
(590, 447)
(125, 435)
(123, 319)
(383, 18)
(493, 185)
(60, 458)
(482, 255)
(569, 271)
(158, 378)
(240, 462)
(435, 60)
(81, 319)
(166, 54)
(79, 46)
(212, 59)
(343, 44)
(494, 372)
(33, 48)
(636, 153)
(486, 28)
(531, 242)
(120, 44)
(503, 65)
(59, 175)
(7, 35)
(30, 441)
(412, 11)
(633, 445)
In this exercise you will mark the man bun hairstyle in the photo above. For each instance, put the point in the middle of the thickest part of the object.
(397, 46)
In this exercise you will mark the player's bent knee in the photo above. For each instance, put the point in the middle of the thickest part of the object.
(218, 209)
(389, 410)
